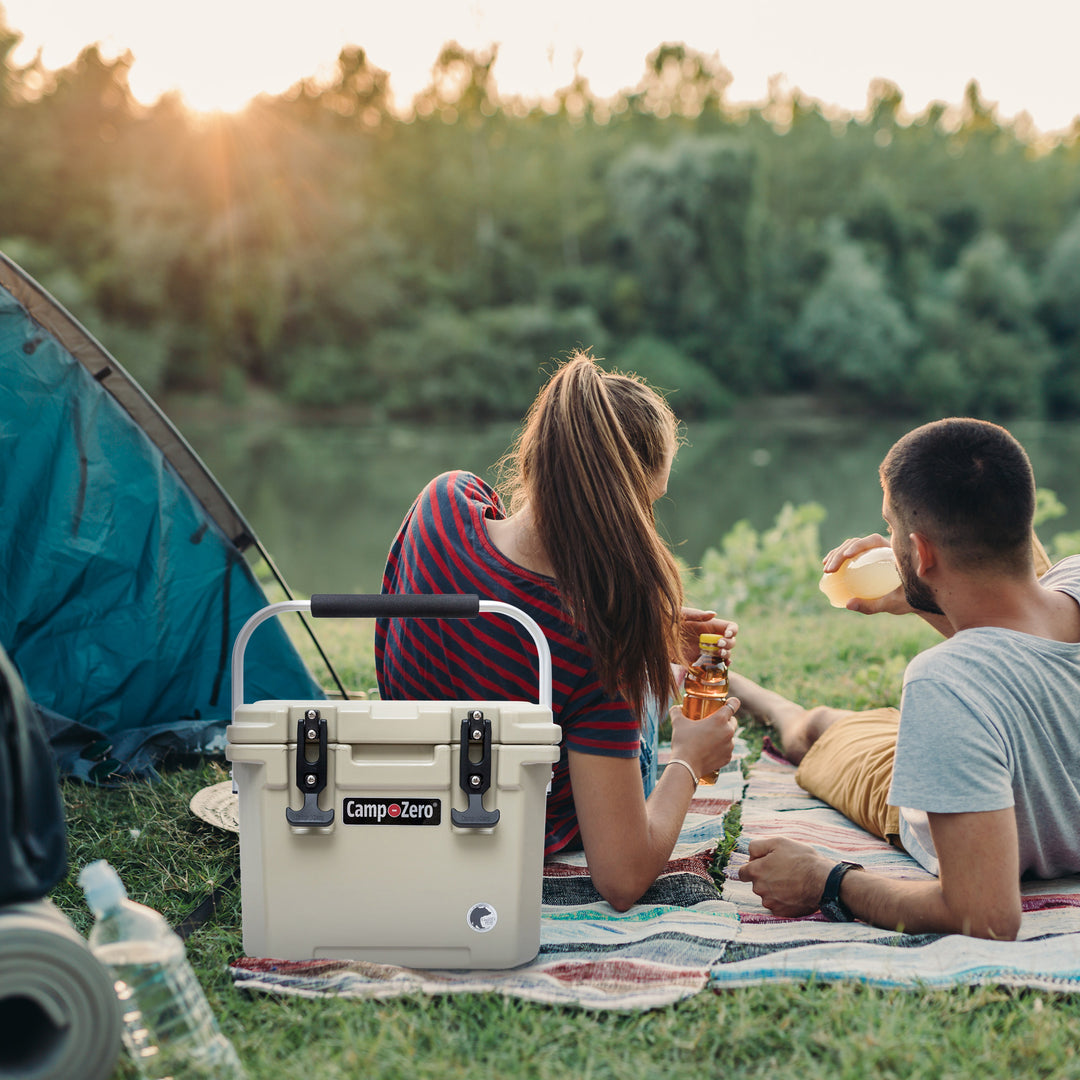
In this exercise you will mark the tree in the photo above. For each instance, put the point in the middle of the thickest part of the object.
(358, 96)
(1060, 295)
(688, 212)
(1060, 282)
(681, 82)
(984, 330)
(77, 130)
(852, 336)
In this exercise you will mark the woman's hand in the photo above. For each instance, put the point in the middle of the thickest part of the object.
(696, 622)
(627, 840)
(706, 744)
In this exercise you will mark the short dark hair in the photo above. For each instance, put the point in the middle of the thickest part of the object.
(967, 485)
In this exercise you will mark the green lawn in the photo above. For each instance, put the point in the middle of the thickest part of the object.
(171, 860)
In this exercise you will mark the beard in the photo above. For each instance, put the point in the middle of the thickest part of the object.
(916, 593)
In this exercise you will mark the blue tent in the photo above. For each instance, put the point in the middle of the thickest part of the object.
(124, 575)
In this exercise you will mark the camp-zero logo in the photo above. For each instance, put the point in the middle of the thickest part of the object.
(391, 811)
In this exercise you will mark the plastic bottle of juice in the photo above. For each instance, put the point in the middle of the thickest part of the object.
(706, 687)
(866, 576)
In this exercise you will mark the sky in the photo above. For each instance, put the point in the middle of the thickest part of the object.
(221, 53)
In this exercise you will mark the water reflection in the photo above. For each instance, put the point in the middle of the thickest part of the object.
(326, 500)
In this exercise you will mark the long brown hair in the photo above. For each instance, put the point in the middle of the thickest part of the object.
(585, 461)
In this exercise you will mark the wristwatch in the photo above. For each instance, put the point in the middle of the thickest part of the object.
(831, 906)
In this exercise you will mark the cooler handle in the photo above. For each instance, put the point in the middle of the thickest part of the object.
(393, 605)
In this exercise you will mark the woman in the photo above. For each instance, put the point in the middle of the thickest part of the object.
(580, 553)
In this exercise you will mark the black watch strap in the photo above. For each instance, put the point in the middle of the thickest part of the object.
(831, 906)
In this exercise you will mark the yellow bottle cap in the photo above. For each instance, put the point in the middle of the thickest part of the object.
(709, 639)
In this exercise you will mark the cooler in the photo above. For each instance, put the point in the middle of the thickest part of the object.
(401, 832)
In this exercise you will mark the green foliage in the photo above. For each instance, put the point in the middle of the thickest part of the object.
(694, 390)
(987, 354)
(1061, 281)
(1061, 307)
(144, 352)
(478, 365)
(1064, 544)
(688, 213)
(778, 569)
(852, 335)
(310, 243)
(325, 376)
(1047, 506)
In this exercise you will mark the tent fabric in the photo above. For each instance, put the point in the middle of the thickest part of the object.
(121, 591)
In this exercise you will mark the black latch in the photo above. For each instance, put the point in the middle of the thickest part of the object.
(475, 772)
(310, 771)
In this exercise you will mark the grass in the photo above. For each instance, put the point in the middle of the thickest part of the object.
(171, 860)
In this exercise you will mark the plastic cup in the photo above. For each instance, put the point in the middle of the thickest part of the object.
(867, 577)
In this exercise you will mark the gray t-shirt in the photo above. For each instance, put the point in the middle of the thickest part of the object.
(990, 719)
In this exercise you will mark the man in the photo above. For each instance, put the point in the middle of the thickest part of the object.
(978, 775)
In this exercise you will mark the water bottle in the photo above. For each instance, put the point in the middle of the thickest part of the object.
(169, 1030)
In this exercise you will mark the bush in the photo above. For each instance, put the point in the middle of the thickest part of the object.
(324, 376)
(778, 569)
(484, 364)
(694, 390)
(852, 335)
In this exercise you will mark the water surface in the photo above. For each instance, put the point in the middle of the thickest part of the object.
(326, 499)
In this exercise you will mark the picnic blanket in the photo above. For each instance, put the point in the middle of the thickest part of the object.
(685, 936)
(1046, 954)
(658, 952)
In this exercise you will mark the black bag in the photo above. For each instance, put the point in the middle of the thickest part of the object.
(33, 837)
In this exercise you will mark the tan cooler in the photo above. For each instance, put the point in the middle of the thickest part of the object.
(402, 832)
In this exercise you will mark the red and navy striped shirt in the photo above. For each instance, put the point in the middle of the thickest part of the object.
(443, 547)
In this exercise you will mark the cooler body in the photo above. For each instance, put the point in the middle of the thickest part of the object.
(399, 832)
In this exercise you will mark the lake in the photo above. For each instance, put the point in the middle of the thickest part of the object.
(326, 499)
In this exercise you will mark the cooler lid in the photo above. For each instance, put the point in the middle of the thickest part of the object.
(394, 722)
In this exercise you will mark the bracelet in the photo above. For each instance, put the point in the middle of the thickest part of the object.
(687, 766)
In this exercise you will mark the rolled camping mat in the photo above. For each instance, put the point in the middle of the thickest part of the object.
(59, 1014)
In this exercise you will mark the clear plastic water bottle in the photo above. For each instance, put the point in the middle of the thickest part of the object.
(169, 1029)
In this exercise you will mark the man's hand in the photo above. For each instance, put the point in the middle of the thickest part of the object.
(978, 892)
(894, 603)
(788, 876)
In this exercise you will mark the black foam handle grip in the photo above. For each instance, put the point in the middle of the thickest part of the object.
(395, 606)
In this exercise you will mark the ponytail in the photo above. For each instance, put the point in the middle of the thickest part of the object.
(586, 461)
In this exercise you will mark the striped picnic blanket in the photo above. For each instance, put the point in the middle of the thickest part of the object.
(771, 949)
(591, 956)
(684, 936)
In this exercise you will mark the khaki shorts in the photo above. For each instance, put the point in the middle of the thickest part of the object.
(850, 768)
